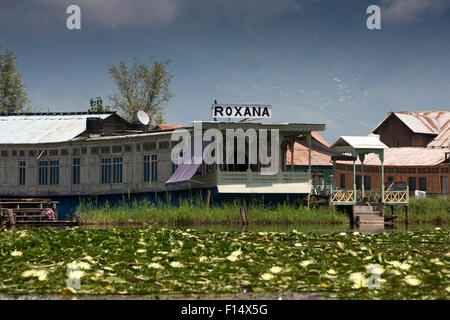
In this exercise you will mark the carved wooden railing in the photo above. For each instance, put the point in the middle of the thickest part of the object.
(343, 196)
(396, 197)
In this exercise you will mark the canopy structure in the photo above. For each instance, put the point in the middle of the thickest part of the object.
(359, 147)
(186, 171)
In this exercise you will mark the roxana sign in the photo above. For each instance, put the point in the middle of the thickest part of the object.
(241, 111)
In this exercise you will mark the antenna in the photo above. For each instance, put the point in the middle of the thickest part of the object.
(143, 117)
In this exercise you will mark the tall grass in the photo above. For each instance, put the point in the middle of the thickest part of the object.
(429, 210)
(194, 211)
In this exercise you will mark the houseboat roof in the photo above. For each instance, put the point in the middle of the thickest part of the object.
(32, 128)
(360, 142)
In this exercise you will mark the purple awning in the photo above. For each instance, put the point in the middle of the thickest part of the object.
(186, 171)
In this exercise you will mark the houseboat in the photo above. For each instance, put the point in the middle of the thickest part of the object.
(71, 156)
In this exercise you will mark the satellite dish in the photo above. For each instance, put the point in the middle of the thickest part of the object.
(143, 117)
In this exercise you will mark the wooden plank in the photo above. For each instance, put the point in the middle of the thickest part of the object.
(12, 218)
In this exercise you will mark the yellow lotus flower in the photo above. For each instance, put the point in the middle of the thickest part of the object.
(412, 281)
(275, 269)
(404, 266)
(267, 276)
(176, 264)
(40, 274)
(374, 268)
(141, 251)
(234, 255)
(16, 253)
(155, 265)
(75, 274)
(306, 263)
(358, 279)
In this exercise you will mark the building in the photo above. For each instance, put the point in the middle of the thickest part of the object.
(415, 129)
(418, 154)
(424, 169)
(60, 155)
(322, 167)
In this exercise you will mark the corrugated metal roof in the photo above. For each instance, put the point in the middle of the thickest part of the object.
(406, 157)
(415, 123)
(31, 129)
(320, 152)
(427, 122)
(360, 142)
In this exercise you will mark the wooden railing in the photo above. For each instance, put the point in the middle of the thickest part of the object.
(396, 197)
(343, 196)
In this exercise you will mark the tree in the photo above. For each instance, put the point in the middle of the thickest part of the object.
(141, 87)
(97, 106)
(13, 97)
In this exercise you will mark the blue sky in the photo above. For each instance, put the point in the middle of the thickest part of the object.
(313, 60)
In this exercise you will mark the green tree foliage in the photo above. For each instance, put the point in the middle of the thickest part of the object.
(13, 97)
(97, 106)
(141, 87)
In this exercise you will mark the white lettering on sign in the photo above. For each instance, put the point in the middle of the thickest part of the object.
(241, 111)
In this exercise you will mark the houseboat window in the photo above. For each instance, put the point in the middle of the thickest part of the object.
(358, 182)
(367, 183)
(43, 173)
(14, 153)
(76, 152)
(22, 153)
(94, 150)
(128, 148)
(22, 168)
(150, 168)
(117, 170)
(53, 153)
(147, 168)
(149, 146)
(138, 147)
(342, 181)
(54, 172)
(412, 184)
(83, 150)
(76, 171)
(31, 153)
(106, 170)
(154, 167)
(423, 184)
(4, 153)
(64, 152)
(174, 165)
(117, 149)
(164, 145)
(105, 150)
(390, 179)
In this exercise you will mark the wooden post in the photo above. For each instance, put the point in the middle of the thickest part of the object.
(208, 198)
(392, 210)
(78, 218)
(12, 217)
(407, 214)
(353, 219)
(243, 213)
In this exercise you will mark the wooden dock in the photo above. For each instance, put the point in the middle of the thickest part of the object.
(31, 212)
(367, 214)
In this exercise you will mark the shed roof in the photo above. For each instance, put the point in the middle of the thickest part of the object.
(44, 128)
(407, 156)
(360, 142)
